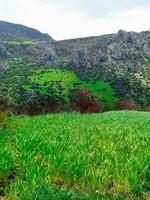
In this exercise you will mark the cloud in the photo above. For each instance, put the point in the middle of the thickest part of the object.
(64, 19)
(98, 8)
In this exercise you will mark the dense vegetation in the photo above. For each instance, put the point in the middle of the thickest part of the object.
(43, 86)
(20, 74)
(73, 156)
(60, 83)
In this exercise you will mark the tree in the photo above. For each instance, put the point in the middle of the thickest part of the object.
(82, 101)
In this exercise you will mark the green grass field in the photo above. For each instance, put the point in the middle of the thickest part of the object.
(74, 156)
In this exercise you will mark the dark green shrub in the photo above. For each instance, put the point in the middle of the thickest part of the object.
(127, 105)
(146, 108)
(82, 101)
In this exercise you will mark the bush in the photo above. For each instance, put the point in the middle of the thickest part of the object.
(127, 105)
(146, 108)
(35, 104)
(3, 104)
(82, 101)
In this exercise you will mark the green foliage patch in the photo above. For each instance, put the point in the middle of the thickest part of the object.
(54, 82)
(13, 77)
(102, 91)
(60, 83)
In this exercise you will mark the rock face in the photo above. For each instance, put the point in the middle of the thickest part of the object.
(122, 59)
(124, 49)
(10, 31)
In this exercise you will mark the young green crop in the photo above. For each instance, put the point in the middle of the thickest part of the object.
(73, 156)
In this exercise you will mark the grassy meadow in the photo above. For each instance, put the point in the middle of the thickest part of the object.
(73, 156)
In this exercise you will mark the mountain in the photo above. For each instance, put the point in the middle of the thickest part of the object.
(121, 59)
(10, 31)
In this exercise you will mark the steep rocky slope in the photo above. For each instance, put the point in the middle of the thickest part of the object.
(123, 59)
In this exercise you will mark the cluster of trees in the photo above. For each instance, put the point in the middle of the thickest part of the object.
(81, 100)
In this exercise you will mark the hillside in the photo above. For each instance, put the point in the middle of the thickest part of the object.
(122, 60)
(10, 31)
(73, 156)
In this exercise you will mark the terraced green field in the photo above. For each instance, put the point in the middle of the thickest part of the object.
(73, 156)
(25, 42)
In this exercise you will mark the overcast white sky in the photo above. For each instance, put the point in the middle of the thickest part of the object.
(64, 19)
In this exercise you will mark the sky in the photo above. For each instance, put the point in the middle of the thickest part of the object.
(65, 19)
